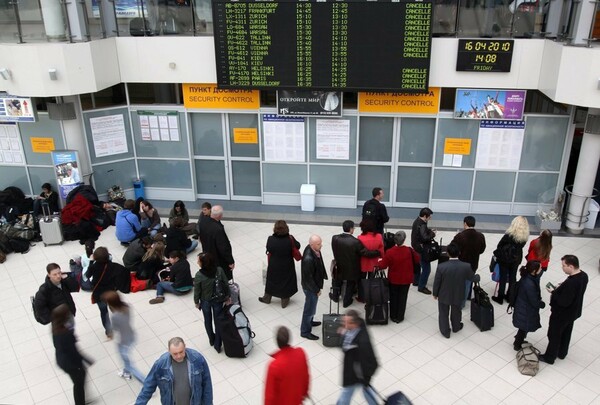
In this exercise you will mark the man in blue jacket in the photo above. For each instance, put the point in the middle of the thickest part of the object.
(127, 224)
(182, 377)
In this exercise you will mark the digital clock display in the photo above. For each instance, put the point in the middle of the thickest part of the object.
(482, 55)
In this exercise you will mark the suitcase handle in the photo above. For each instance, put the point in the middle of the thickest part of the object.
(330, 300)
(46, 212)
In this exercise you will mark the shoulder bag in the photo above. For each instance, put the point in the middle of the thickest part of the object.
(295, 251)
(96, 284)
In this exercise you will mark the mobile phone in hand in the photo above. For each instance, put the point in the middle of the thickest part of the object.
(550, 286)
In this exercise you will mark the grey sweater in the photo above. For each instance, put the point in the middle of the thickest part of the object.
(121, 324)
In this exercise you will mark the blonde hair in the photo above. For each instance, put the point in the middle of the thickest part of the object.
(156, 251)
(519, 229)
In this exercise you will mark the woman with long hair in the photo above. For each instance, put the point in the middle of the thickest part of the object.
(153, 261)
(179, 211)
(281, 270)
(121, 322)
(526, 315)
(371, 240)
(204, 283)
(68, 358)
(509, 254)
(101, 272)
(540, 248)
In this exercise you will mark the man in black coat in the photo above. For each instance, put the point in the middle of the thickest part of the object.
(313, 274)
(375, 211)
(449, 290)
(360, 362)
(471, 244)
(215, 241)
(347, 251)
(55, 291)
(566, 303)
(421, 235)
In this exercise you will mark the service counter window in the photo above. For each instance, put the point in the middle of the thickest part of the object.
(494, 186)
(165, 173)
(207, 134)
(412, 184)
(543, 143)
(416, 140)
(452, 184)
(283, 178)
(210, 177)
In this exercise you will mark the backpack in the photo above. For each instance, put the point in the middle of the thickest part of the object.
(370, 210)
(220, 291)
(512, 297)
(19, 245)
(235, 330)
(36, 314)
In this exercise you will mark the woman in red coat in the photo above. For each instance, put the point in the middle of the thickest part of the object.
(540, 248)
(399, 260)
(371, 240)
(287, 375)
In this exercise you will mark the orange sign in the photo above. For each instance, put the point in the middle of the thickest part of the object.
(245, 135)
(457, 146)
(208, 96)
(428, 103)
(42, 145)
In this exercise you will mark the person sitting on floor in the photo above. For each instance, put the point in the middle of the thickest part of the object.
(179, 211)
(135, 253)
(47, 196)
(149, 218)
(152, 262)
(177, 239)
(127, 224)
(178, 282)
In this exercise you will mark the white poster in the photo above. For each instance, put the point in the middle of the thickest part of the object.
(283, 138)
(333, 139)
(499, 144)
(109, 135)
(10, 147)
(159, 125)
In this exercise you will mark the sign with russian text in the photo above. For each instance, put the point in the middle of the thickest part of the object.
(400, 103)
(209, 96)
(42, 145)
(489, 104)
(309, 103)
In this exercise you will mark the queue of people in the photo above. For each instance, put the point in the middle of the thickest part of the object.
(355, 258)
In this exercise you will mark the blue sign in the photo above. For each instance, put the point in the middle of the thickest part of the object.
(66, 167)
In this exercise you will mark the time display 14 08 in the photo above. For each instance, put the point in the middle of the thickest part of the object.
(484, 55)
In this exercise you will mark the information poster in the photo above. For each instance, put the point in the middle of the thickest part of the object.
(11, 152)
(333, 139)
(309, 103)
(283, 138)
(499, 145)
(489, 104)
(42, 145)
(245, 135)
(109, 135)
(159, 126)
(454, 149)
(16, 109)
(66, 168)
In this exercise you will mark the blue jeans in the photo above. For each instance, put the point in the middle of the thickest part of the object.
(212, 310)
(192, 247)
(468, 285)
(347, 392)
(310, 307)
(103, 307)
(166, 286)
(127, 366)
(152, 232)
(425, 271)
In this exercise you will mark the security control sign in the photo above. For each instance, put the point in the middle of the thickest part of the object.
(309, 103)
(16, 109)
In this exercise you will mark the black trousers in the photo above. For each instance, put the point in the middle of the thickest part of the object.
(348, 291)
(559, 338)
(507, 274)
(520, 338)
(78, 377)
(398, 297)
(455, 313)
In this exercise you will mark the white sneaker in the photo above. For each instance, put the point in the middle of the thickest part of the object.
(124, 375)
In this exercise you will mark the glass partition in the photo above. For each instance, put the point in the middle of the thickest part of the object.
(444, 21)
(22, 22)
(485, 18)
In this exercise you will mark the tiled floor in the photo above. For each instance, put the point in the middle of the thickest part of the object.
(470, 368)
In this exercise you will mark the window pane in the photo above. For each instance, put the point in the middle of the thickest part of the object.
(165, 173)
(452, 184)
(531, 185)
(327, 179)
(416, 140)
(489, 19)
(207, 134)
(160, 148)
(41, 175)
(15, 176)
(117, 173)
(376, 135)
(543, 143)
(283, 178)
(373, 176)
(210, 177)
(444, 23)
(243, 121)
(412, 184)
(494, 186)
(464, 129)
(246, 178)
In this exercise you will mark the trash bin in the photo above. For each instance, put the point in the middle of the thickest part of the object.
(138, 189)
(594, 208)
(308, 194)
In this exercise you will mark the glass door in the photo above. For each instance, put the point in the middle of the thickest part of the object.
(244, 157)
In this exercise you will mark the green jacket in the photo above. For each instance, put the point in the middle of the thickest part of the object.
(204, 285)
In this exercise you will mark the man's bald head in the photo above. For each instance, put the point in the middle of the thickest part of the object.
(315, 242)
(216, 212)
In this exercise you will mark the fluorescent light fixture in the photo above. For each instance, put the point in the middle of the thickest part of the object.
(52, 73)
(5, 73)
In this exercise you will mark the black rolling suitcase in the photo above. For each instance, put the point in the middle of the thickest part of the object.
(482, 310)
(377, 297)
(331, 323)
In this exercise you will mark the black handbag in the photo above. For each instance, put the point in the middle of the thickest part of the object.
(431, 250)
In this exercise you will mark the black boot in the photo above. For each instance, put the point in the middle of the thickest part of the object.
(265, 299)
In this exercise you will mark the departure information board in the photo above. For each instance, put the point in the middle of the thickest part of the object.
(354, 45)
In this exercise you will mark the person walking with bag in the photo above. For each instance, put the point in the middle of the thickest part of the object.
(528, 302)
(540, 248)
(205, 299)
(509, 254)
(282, 249)
(101, 272)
